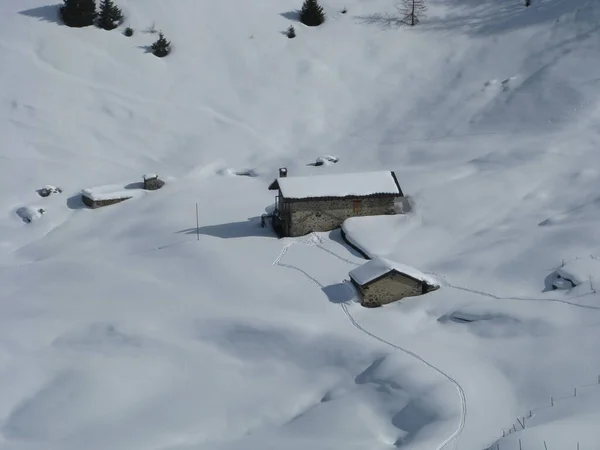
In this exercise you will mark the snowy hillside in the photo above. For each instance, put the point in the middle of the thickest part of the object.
(122, 329)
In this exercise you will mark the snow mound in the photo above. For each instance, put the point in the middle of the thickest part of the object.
(581, 270)
(238, 173)
(326, 160)
(504, 85)
(28, 213)
(417, 416)
(48, 190)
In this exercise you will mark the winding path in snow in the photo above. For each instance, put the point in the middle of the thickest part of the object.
(522, 299)
(314, 240)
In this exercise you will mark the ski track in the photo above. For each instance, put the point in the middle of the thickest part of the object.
(314, 240)
(310, 240)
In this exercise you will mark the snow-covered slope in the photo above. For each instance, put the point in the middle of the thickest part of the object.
(121, 328)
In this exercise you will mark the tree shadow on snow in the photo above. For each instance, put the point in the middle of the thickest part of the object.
(146, 48)
(250, 228)
(390, 20)
(339, 293)
(292, 15)
(49, 13)
(486, 19)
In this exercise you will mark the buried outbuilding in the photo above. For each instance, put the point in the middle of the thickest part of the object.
(308, 204)
(381, 281)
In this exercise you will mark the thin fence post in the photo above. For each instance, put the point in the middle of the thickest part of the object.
(530, 414)
(197, 224)
(577, 445)
(575, 393)
(520, 447)
(545, 446)
(551, 401)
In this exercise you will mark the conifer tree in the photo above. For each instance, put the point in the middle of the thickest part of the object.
(291, 32)
(110, 15)
(312, 13)
(527, 3)
(161, 47)
(78, 13)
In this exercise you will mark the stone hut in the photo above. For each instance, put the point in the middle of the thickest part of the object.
(93, 199)
(152, 182)
(381, 281)
(322, 202)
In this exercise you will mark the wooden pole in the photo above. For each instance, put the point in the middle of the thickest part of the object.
(197, 224)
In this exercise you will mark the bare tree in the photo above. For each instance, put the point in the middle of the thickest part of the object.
(412, 11)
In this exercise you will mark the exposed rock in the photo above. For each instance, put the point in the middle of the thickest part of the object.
(48, 190)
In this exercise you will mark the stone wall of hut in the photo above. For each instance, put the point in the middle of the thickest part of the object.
(325, 215)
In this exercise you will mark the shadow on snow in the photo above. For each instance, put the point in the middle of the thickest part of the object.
(47, 13)
(249, 228)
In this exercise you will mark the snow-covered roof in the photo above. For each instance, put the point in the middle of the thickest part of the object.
(108, 192)
(338, 185)
(379, 266)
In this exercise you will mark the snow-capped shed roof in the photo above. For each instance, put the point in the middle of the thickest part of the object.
(339, 185)
(378, 267)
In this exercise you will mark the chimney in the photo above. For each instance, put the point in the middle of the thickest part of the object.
(282, 172)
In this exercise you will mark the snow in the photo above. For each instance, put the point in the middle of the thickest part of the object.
(150, 176)
(326, 160)
(581, 270)
(379, 266)
(136, 327)
(390, 231)
(339, 185)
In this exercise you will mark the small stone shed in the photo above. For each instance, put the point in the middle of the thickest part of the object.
(322, 202)
(97, 197)
(381, 281)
